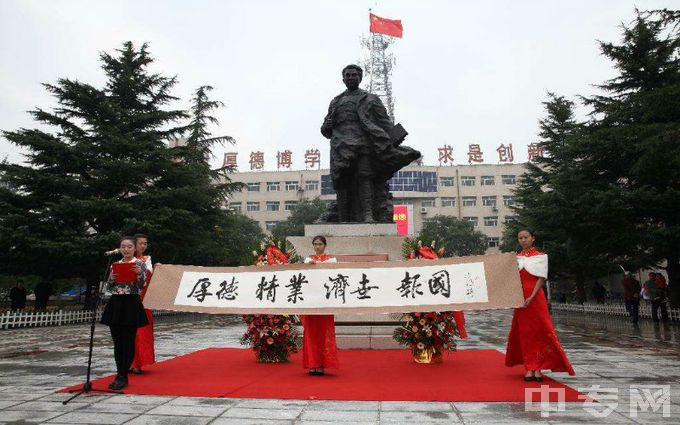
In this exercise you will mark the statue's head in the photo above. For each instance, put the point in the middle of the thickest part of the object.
(351, 76)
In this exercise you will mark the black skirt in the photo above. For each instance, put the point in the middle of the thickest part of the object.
(124, 310)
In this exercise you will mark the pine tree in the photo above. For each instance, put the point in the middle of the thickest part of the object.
(607, 194)
(458, 237)
(634, 146)
(106, 170)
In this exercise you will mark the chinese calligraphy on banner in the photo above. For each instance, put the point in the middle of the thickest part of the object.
(472, 282)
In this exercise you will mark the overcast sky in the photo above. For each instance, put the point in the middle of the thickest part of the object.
(466, 72)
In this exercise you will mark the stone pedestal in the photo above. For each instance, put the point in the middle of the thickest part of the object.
(357, 242)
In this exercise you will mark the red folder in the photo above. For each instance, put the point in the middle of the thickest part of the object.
(124, 272)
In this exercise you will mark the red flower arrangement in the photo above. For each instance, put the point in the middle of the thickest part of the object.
(272, 337)
(425, 331)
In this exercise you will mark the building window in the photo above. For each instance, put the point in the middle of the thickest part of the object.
(469, 201)
(253, 186)
(491, 221)
(446, 181)
(508, 200)
(269, 225)
(235, 206)
(493, 242)
(427, 203)
(467, 181)
(312, 185)
(413, 181)
(448, 202)
(253, 206)
(489, 201)
(487, 181)
(508, 178)
(273, 205)
(291, 186)
(273, 186)
(509, 218)
(290, 205)
(403, 202)
(472, 220)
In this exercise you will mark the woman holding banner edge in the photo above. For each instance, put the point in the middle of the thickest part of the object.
(532, 341)
(319, 350)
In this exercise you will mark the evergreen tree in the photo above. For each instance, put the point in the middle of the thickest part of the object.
(607, 194)
(633, 147)
(305, 212)
(459, 237)
(105, 170)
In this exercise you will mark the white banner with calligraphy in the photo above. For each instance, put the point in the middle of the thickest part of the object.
(464, 283)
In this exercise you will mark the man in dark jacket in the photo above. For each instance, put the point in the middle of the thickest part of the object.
(631, 296)
(18, 296)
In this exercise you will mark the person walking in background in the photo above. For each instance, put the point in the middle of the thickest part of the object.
(18, 296)
(656, 291)
(631, 296)
(599, 292)
(43, 290)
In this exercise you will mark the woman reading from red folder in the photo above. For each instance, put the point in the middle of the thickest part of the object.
(532, 341)
(318, 347)
(124, 312)
(144, 343)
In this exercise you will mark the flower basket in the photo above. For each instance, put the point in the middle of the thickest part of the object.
(272, 337)
(430, 355)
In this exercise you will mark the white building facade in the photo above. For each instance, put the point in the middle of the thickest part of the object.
(480, 193)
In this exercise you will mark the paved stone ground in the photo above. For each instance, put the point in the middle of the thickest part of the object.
(605, 351)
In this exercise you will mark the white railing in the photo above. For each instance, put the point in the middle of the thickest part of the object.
(618, 309)
(11, 320)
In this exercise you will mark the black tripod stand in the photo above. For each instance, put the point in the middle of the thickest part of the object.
(87, 386)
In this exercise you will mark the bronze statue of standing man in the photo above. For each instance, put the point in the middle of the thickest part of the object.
(364, 154)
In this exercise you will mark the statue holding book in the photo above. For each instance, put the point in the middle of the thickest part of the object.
(366, 151)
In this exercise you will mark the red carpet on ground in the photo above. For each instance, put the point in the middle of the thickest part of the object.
(386, 375)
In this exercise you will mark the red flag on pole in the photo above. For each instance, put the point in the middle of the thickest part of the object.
(386, 26)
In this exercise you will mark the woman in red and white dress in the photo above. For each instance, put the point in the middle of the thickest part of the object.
(532, 341)
(318, 349)
(144, 343)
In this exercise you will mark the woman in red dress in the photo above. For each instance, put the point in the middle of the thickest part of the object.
(318, 347)
(532, 341)
(144, 344)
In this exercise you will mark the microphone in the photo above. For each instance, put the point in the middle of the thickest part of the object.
(112, 252)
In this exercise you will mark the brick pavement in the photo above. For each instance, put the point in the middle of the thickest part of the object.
(605, 351)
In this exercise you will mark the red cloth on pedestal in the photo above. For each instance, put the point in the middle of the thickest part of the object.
(532, 341)
(459, 317)
(144, 342)
(318, 343)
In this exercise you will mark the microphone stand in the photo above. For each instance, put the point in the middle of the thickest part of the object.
(87, 386)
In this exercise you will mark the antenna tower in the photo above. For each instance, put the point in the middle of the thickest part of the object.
(378, 68)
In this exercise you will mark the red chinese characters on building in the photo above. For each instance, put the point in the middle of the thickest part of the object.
(445, 155)
(312, 158)
(505, 153)
(533, 151)
(284, 159)
(256, 160)
(230, 160)
(475, 154)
